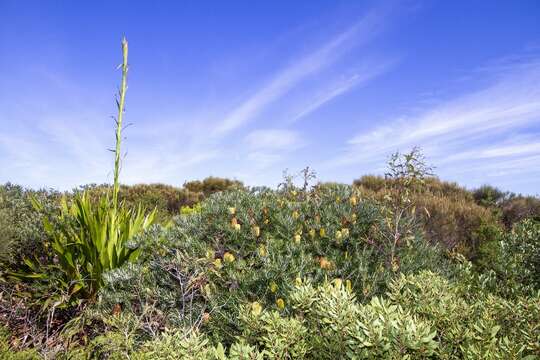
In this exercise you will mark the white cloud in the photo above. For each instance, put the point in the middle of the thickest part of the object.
(306, 66)
(478, 124)
(273, 139)
(499, 151)
(341, 87)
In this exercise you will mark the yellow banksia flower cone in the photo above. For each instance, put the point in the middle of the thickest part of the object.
(298, 281)
(297, 238)
(395, 265)
(295, 214)
(280, 303)
(345, 232)
(256, 231)
(337, 283)
(322, 232)
(273, 287)
(217, 263)
(312, 233)
(262, 250)
(353, 200)
(208, 290)
(232, 210)
(228, 257)
(256, 308)
(348, 285)
(325, 264)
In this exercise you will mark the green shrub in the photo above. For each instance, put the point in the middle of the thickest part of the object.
(339, 326)
(211, 185)
(22, 234)
(244, 246)
(489, 196)
(277, 337)
(519, 255)
(478, 326)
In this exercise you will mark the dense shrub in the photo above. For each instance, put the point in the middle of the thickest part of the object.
(211, 185)
(448, 213)
(422, 316)
(245, 275)
(515, 258)
(489, 196)
(431, 185)
(519, 208)
(22, 234)
(481, 326)
(256, 246)
(166, 199)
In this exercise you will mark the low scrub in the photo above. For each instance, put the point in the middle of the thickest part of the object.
(448, 213)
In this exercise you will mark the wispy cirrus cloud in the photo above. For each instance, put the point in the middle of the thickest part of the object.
(308, 65)
(273, 139)
(341, 86)
(268, 147)
(471, 128)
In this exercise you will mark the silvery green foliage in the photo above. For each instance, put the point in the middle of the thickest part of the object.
(158, 289)
(22, 232)
(522, 249)
(192, 345)
(338, 326)
(480, 326)
(278, 337)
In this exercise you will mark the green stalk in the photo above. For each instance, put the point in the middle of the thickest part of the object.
(120, 103)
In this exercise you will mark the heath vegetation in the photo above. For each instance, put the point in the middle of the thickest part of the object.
(404, 266)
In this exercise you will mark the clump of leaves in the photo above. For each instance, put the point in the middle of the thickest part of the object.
(91, 239)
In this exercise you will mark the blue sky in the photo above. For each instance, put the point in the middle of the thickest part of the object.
(246, 89)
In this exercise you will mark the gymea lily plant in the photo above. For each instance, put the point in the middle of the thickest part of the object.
(91, 237)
